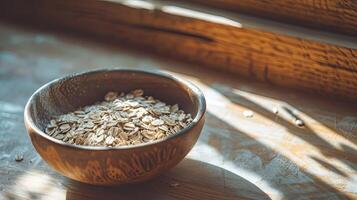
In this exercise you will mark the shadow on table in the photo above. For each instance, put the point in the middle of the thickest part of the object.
(229, 139)
(191, 179)
(306, 133)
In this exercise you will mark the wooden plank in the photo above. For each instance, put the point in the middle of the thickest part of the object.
(212, 41)
(333, 15)
(262, 157)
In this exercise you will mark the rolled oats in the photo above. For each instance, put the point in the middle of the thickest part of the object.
(19, 157)
(121, 119)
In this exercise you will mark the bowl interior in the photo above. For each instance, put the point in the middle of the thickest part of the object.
(72, 92)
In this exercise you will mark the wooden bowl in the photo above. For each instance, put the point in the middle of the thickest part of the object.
(112, 165)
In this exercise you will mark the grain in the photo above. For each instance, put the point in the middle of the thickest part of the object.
(174, 184)
(299, 123)
(119, 120)
(248, 113)
(19, 157)
(276, 110)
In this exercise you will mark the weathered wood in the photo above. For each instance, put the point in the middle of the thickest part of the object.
(265, 156)
(334, 15)
(217, 43)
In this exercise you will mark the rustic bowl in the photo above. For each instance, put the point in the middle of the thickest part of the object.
(112, 165)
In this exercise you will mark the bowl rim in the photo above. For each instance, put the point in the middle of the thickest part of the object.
(29, 123)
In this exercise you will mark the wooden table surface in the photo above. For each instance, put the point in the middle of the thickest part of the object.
(265, 156)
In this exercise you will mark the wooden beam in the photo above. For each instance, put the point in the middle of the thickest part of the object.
(212, 41)
(334, 15)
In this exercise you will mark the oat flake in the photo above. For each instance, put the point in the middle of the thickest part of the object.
(121, 119)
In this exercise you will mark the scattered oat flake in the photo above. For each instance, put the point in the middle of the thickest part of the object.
(299, 123)
(275, 110)
(174, 184)
(19, 157)
(121, 119)
(248, 113)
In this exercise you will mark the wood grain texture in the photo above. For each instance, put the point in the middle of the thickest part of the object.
(273, 58)
(262, 157)
(333, 15)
